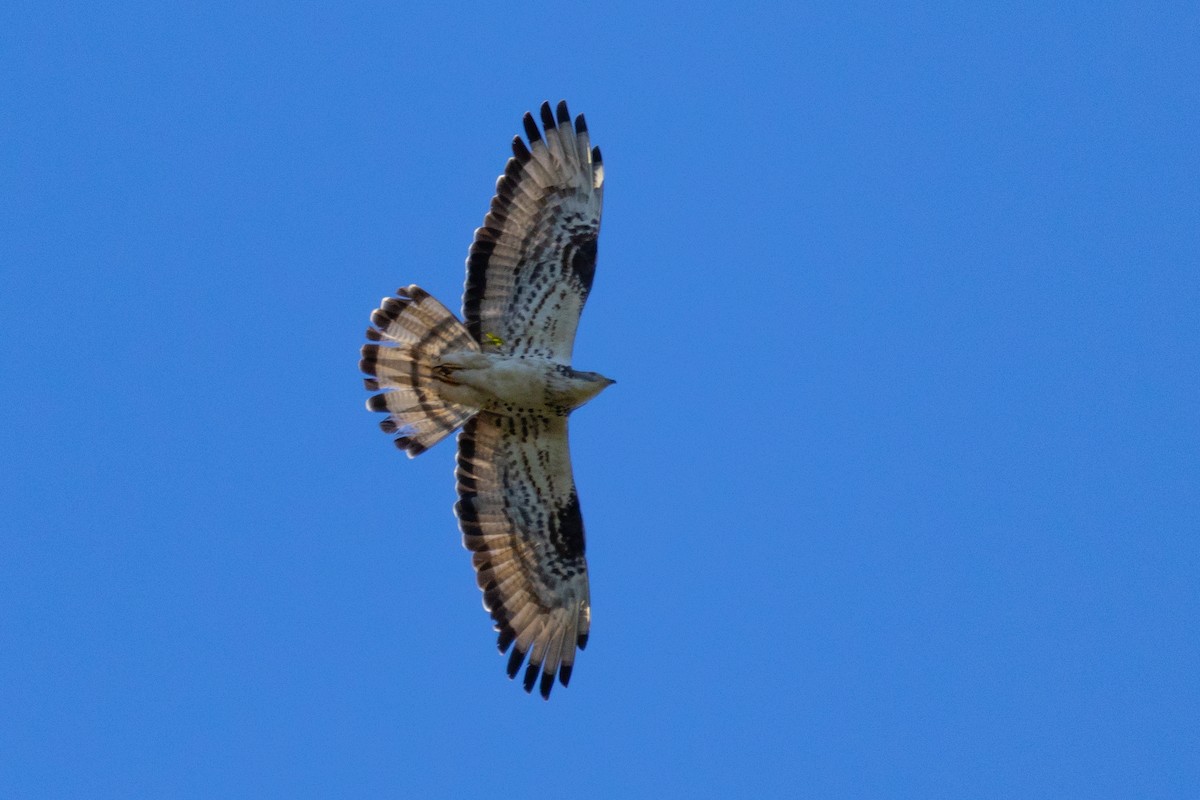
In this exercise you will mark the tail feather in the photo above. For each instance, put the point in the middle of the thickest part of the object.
(414, 331)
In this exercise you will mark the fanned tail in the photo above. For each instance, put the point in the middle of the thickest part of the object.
(415, 331)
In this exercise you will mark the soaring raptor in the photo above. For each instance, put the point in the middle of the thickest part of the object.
(504, 375)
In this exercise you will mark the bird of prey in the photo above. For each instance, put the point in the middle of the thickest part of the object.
(504, 376)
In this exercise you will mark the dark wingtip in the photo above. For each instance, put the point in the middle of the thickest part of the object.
(581, 641)
(531, 673)
(596, 159)
(564, 674)
(547, 116)
(514, 662)
(505, 639)
(531, 128)
(546, 685)
(564, 116)
(580, 124)
(520, 151)
(377, 402)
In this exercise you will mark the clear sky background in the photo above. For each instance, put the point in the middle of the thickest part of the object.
(896, 496)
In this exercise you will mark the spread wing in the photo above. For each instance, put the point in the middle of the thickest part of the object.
(530, 267)
(520, 517)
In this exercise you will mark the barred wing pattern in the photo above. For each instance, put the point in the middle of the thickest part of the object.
(520, 517)
(531, 265)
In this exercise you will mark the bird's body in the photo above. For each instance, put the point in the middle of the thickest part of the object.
(516, 385)
(503, 375)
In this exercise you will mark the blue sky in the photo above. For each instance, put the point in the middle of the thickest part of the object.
(896, 496)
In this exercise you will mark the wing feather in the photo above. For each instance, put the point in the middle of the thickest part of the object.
(530, 267)
(519, 514)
